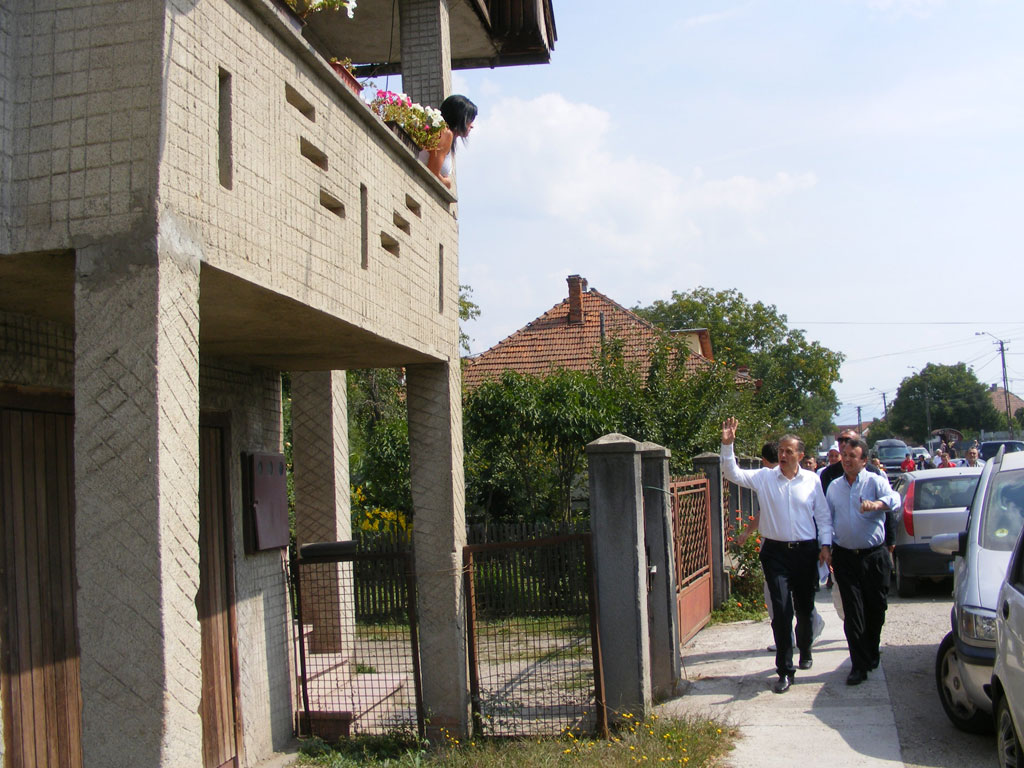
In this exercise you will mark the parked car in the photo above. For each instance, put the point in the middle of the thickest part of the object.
(989, 448)
(932, 502)
(965, 659)
(1008, 673)
(891, 453)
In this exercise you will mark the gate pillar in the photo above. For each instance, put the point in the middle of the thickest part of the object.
(620, 562)
(663, 610)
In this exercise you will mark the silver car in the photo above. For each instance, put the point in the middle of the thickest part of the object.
(933, 501)
(964, 662)
(1008, 674)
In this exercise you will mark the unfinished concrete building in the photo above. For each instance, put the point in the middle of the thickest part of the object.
(191, 202)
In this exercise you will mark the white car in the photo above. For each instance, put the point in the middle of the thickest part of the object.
(1008, 673)
(966, 656)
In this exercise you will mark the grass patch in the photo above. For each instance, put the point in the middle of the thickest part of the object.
(656, 741)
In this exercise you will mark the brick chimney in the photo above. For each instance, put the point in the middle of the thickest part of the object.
(577, 286)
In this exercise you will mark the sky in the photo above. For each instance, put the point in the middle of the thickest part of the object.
(858, 164)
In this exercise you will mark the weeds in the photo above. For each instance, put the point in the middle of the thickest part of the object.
(655, 741)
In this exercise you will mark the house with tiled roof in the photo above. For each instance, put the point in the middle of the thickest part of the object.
(568, 335)
(1000, 397)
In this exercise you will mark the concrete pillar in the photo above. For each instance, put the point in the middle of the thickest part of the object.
(439, 534)
(136, 493)
(426, 50)
(707, 463)
(663, 610)
(616, 520)
(322, 500)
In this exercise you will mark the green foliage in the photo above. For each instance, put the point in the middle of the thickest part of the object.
(379, 438)
(525, 436)
(468, 310)
(693, 742)
(797, 374)
(746, 578)
(942, 396)
(880, 429)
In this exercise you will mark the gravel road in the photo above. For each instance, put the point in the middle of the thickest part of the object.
(913, 629)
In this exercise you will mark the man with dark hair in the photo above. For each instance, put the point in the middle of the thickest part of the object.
(832, 471)
(796, 531)
(859, 503)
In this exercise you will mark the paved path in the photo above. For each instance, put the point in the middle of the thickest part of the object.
(819, 721)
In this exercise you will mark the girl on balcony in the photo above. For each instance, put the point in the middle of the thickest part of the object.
(458, 113)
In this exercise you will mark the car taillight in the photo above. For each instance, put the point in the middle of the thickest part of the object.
(908, 509)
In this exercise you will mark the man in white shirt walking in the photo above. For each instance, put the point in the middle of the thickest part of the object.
(796, 533)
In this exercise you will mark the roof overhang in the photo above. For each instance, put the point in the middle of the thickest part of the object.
(484, 33)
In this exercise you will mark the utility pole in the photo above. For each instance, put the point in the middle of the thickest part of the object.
(858, 419)
(885, 406)
(1006, 383)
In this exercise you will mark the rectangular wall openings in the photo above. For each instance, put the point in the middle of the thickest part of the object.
(225, 163)
(312, 153)
(300, 103)
(364, 225)
(332, 204)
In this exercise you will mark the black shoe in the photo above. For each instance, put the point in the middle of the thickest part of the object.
(783, 683)
(806, 662)
(856, 677)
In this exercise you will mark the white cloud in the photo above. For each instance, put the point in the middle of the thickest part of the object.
(552, 159)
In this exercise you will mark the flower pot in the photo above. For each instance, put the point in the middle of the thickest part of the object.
(405, 137)
(346, 77)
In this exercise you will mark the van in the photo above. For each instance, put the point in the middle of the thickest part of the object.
(891, 453)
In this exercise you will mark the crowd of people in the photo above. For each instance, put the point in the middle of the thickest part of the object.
(835, 520)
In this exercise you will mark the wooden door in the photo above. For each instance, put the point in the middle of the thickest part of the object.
(39, 672)
(691, 531)
(215, 603)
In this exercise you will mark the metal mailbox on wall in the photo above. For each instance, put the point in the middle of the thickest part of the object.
(265, 484)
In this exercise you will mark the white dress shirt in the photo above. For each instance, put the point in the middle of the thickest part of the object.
(790, 508)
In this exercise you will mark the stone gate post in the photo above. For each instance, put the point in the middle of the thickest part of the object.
(663, 610)
(616, 512)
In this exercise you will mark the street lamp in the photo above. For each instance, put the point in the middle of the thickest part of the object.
(1006, 385)
(885, 406)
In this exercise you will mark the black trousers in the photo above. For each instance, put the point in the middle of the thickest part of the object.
(863, 580)
(791, 571)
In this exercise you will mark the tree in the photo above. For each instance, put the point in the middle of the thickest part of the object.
(797, 374)
(526, 436)
(942, 396)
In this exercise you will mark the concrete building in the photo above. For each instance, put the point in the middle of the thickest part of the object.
(192, 202)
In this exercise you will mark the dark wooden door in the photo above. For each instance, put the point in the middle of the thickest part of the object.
(215, 603)
(39, 671)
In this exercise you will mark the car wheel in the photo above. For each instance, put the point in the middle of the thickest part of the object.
(959, 708)
(1007, 743)
(906, 586)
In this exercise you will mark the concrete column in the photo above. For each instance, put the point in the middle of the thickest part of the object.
(707, 463)
(136, 494)
(663, 610)
(322, 501)
(439, 534)
(616, 515)
(426, 50)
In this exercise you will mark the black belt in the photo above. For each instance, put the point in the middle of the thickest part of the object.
(793, 544)
(865, 551)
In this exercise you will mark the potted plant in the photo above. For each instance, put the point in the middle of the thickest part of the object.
(305, 7)
(420, 127)
(343, 67)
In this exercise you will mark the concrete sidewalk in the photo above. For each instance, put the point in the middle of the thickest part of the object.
(728, 673)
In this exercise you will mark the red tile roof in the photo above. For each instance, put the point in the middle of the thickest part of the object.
(552, 342)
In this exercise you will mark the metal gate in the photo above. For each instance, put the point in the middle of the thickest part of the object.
(356, 638)
(534, 653)
(691, 533)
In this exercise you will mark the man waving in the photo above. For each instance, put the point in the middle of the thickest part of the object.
(796, 532)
